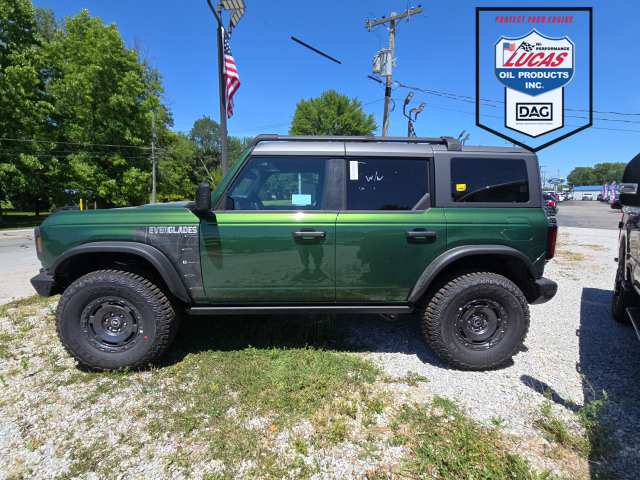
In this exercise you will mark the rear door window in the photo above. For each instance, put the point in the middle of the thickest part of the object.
(489, 180)
(386, 184)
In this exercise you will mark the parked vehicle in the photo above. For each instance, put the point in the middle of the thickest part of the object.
(615, 203)
(550, 203)
(600, 197)
(625, 304)
(587, 196)
(314, 224)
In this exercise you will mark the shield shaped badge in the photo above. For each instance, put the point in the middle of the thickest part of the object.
(534, 64)
(534, 69)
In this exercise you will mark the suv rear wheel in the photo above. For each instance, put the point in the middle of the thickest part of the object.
(621, 299)
(475, 321)
(111, 319)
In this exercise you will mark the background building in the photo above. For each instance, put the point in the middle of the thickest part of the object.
(593, 189)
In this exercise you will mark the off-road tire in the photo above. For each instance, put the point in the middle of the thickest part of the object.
(140, 300)
(443, 307)
(621, 299)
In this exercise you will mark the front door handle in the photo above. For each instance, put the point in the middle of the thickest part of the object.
(311, 234)
(419, 234)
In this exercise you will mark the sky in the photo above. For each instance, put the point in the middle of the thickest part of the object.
(435, 50)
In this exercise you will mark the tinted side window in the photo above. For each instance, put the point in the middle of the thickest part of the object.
(386, 184)
(279, 184)
(489, 180)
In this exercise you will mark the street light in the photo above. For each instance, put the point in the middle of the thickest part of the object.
(232, 4)
(235, 17)
(408, 99)
(413, 110)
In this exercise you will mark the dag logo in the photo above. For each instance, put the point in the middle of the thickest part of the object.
(534, 63)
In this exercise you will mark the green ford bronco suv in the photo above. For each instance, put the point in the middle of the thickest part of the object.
(314, 224)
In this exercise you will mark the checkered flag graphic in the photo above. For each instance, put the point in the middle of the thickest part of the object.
(527, 47)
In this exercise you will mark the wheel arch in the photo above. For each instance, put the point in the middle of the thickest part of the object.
(156, 260)
(512, 264)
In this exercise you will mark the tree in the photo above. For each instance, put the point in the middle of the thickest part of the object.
(581, 176)
(609, 172)
(331, 114)
(205, 135)
(599, 174)
(104, 97)
(176, 161)
(24, 107)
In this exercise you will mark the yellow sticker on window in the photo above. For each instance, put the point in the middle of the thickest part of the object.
(461, 187)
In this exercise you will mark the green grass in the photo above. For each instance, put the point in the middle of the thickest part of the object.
(13, 220)
(595, 444)
(447, 444)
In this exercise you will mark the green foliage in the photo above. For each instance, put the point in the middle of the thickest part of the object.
(595, 444)
(205, 135)
(599, 174)
(176, 161)
(331, 114)
(449, 445)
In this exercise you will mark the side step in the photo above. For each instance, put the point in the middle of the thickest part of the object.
(302, 309)
(634, 315)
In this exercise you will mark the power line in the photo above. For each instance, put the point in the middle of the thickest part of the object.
(51, 156)
(497, 116)
(70, 143)
(468, 99)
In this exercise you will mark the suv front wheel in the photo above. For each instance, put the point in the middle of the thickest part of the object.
(111, 319)
(475, 321)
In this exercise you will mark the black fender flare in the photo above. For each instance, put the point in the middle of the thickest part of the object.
(154, 256)
(450, 256)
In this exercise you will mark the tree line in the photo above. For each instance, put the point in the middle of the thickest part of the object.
(76, 107)
(599, 174)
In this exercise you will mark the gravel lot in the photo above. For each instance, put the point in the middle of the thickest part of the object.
(572, 346)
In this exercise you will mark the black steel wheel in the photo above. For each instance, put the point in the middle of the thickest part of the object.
(112, 319)
(475, 321)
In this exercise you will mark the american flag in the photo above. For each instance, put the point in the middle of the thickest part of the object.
(231, 78)
(509, 46)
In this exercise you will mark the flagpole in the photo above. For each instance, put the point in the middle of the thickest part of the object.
(223, 106)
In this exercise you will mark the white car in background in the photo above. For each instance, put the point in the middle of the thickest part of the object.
(587, 196)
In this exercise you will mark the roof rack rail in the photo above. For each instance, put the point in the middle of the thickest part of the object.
(450, 142)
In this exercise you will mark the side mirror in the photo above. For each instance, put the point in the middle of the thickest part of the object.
(203, 197)
(628, 189)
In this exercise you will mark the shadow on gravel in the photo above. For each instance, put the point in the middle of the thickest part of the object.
(347, 333)
(545, 389)
(610, 361)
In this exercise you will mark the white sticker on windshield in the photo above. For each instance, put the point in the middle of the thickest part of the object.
(353, 170)
(301, 200)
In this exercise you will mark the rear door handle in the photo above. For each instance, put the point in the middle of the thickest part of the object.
(419, 234)
(309, 234)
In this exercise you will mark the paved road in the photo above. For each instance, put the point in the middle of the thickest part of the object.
(588, 214)
(18, 263)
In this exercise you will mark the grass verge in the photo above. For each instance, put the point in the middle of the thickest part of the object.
(594, 444)
(445, 443)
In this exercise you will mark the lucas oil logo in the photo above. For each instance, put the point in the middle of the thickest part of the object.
(534, 69)
(534, 64)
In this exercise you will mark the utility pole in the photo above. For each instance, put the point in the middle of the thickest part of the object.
(153, 159)
(392, 40)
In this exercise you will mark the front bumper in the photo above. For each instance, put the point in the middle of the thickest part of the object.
(44, 283)
(545, 290)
